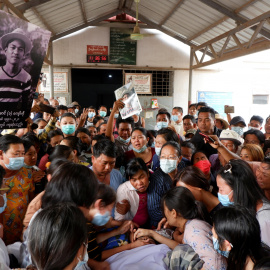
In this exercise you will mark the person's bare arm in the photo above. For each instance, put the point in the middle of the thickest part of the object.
(143, 122)
(118, 104)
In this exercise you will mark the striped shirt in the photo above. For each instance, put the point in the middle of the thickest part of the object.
(15, 90)
(93, 249)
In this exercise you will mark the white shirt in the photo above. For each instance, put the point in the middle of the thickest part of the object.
(178, 127)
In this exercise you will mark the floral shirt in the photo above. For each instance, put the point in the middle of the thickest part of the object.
(17, 201)
(197, 234)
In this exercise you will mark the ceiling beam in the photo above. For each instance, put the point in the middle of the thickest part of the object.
(165, 19)
(43, 20)
(90, 23)
(33, 3)
(229, 13)
(121, 4)
(167, 32)
(17, 12)
(83, 11)
(128, 4)
(223, 19)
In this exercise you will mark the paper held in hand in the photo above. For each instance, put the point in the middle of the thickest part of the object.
(131, 100)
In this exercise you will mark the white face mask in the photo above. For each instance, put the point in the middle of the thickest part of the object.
(168, 165)
(82, 262)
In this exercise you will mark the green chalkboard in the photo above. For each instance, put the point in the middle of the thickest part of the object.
(122, 51)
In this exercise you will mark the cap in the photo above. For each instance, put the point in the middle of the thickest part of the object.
(191, 131)
(73, 104)
(231, 136)
(225, 123)
(17, 34)
(237, 119)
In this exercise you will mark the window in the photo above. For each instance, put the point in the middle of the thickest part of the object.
(162, 81)
(260, 99)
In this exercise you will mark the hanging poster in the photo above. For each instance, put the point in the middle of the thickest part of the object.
(60, 82)
(142, 82)
(131, 100)
(23, 48)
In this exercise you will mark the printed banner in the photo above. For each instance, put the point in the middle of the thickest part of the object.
(142, 82)
(23, 48)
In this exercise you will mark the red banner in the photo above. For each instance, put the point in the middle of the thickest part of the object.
(97, 50)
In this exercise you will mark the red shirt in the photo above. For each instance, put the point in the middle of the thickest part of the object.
(141, 216)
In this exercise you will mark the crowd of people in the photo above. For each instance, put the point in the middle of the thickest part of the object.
(83, 188)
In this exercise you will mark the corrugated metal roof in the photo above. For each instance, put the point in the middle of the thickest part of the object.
(186, 19)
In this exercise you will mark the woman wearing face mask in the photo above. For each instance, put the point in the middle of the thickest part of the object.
(237, 185)
(194, 179)
(199, 159)
(164, 135)
(62, 245)
(236, 235)
(183, 212)
(54, 138)
(139, 141)
(68, 124)
(20, 183)
(30, 160)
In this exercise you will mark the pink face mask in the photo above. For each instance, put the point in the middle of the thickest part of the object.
(204, 166)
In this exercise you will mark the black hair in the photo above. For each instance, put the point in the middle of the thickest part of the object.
(142, 130)
(175, 145)
(71, 183)
(179, 109)
(263, 264)
(62, 107)
(153, 132)
(83, 130)
(183, 202)
(60, 151)
(194, 177)
(164, 112)
(55, 236)
(246, 191)
(189, 145)
(128, 120)
(257, 118)
(29, 136)
(106, 194)
(168, 135)
(241, 229)
(268, 117)
(2, 174)
(191, 117)
(193, 104)
(7, 140)
(74, 143)
(27, 144)
(135, 165)
(204, 104)
(54, 133)
(99, 137)
(68, 115)
(92, 107)
(102, 106)
(55, 164)
(39, 120)
(96, 119)
(105, 147)
(257, 133)
(193, 155)
(266, 160)
(207, 110)
(103, 123)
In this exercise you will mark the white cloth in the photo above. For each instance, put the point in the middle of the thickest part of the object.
(178, 127)
(148, 257)
(127, 192)
(4, 258)
(263, 217)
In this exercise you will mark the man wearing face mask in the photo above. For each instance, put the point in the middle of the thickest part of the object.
(163, 119)
(102, 111)
(177, 120)
(124, 128)
(255, 122)
(20, 182)
(238, 124)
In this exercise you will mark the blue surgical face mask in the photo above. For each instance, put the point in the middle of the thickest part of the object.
(91, 114)
(140, 150)
(84, 261)
(124, 141)
(249, 128)
(238, 130)
(153, 144)
(216, 247)
(102, 113)
(27, 166)
(40, 131)
(2, 209)
(161, 125)
(168, 165)
(116, 115)
(157, 150)
(224, 199)
(101, 220)
(68, 129)
(15, 163)
(175, 118)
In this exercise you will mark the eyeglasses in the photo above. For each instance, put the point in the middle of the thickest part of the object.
(169, 157)
(228, 168)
